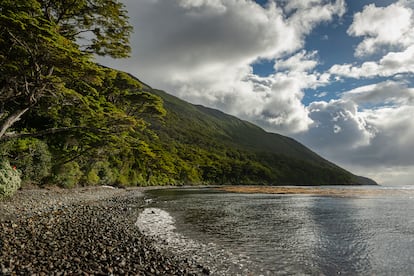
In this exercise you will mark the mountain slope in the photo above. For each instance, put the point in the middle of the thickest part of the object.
(257, 156)
(122, 132)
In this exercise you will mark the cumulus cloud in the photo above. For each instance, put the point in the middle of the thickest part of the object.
(202, 51)
(336, 124)
(306, 14)
(391, 64)
(383, 26)
(377, 139)
(383, 93)
(300, 62)
(386, 31)
(369, 129)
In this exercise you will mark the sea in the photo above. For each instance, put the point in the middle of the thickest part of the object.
(286, 234)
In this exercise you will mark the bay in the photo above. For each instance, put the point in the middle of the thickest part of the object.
(269, 234)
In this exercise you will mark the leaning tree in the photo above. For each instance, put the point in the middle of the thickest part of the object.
(47, 44)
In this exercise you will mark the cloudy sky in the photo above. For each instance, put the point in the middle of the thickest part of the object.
(337, 75)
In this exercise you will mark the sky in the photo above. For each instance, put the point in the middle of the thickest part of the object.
(336, 75)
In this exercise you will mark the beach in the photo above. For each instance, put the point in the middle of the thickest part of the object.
(83, 231)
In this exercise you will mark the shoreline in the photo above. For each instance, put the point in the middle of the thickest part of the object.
(87, 230)
(347, 191)
(92, 230)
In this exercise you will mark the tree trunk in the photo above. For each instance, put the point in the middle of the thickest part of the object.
(11, 120)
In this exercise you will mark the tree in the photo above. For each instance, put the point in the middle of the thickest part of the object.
(102, 25)
(110, 114)
(46, 44)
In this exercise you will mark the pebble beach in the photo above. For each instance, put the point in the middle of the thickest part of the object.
(82, 231)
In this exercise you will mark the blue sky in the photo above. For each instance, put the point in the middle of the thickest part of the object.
(334, 46)
(337, 75)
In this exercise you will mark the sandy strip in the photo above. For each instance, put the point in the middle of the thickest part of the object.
(321, 191)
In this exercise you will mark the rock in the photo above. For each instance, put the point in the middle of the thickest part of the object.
(206, 271)
(89, 237)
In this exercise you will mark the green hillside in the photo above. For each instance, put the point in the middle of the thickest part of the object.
(67, 121)
(123, 132)
(239, 152)
(233, 131)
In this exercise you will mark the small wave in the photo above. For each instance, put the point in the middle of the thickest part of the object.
(160, 226)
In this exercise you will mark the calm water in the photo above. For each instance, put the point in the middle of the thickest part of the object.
(286, 234)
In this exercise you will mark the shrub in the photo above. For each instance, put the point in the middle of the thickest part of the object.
(136, 179)
(101, 173)
(9, 179)
(122, 181)
(92, 177)
(68, 175)
(106, 174)
(31, 156)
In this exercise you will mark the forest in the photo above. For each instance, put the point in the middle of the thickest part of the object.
(66, 120)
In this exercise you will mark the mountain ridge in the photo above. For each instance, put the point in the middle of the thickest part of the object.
(120, 131)
(246, 136)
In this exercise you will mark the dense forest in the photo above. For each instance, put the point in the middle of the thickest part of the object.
(67, 121)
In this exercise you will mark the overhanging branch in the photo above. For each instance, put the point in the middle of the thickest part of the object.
(11, 120)
(9, 136)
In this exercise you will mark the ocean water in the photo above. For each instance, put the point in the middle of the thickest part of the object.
(265, 234)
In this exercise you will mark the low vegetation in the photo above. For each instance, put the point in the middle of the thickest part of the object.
(9, 179)
(67, 121)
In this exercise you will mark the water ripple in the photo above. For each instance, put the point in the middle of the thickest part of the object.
(285, 234)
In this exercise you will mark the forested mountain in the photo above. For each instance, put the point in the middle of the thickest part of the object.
(168, 141)
(223, 149)
(68, 121)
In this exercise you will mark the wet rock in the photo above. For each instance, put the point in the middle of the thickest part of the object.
(83, 238)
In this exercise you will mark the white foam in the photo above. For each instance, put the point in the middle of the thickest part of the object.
(160, 225)
(154, 221)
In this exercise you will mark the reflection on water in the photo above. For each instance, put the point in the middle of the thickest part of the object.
(299, 234)
(342, 238)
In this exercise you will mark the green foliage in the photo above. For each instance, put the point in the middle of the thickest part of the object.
(208, 146)
(68, 175)
(97, 126)
(122, 180)
(101, 24)
(9, 179)
(92, 178)
(46, 50)
(31, 156)
(106, 174)
(123, 133)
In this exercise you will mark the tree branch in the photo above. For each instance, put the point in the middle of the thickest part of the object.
(9, 136)
(11, 120)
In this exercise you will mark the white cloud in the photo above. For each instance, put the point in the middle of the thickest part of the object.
(202, 51)
(301, 62)
(369, 130)
(391, 64)
(307, 14)
(384, 93)
(321, 94)
(387, 31)
(281, 109)
(329, 118)
(203, 4)
(383, 26)
(367, 141)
